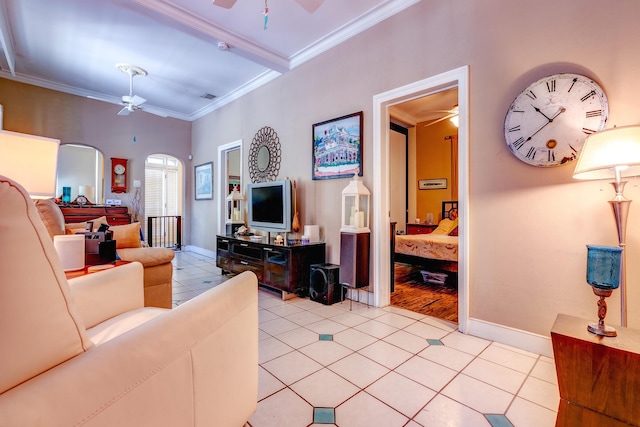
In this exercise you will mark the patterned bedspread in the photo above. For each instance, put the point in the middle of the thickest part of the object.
(429, 246)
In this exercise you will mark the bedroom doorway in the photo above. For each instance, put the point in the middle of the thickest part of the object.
(426, 127)
(381, 251)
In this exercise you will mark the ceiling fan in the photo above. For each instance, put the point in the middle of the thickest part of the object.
(309, 5)
(131, 102)
(451, 114)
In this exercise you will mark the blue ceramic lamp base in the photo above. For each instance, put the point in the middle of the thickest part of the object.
(599, 328)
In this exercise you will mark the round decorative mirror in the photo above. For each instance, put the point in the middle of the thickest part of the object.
(264, 156)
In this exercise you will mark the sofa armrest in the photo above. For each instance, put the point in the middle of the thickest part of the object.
(102, 295)
(194, 365)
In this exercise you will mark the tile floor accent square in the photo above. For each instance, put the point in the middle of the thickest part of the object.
(498, 420)
(326, 337)
(324, 415)
(435, 342)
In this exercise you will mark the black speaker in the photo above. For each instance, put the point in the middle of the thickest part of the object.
(324, 286)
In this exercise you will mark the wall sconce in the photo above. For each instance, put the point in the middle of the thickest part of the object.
(613, 153)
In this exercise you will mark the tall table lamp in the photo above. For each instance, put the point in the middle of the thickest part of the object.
(613, 154)
(31, 161)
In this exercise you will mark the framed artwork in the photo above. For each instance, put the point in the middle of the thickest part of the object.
(432, 184)
(204, 181)
(337, 147)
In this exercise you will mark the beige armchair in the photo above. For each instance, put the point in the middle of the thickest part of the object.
(88, 353)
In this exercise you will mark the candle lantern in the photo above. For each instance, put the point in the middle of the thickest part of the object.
(603, 274)
(235, 211)
(356, 204)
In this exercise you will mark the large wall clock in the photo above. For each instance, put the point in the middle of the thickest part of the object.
(118, 175)
(548, 122)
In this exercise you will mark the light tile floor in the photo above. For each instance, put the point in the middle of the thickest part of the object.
(326, 365)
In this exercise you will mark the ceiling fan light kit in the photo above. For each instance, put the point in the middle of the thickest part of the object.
(131, 102)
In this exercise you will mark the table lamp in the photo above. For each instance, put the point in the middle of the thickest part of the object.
(613, 154)
(31, 161)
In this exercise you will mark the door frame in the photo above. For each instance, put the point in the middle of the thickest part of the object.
(459, 78)
(222, 182)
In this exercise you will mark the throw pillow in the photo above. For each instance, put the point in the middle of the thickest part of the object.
(126, 236)
(51, 215)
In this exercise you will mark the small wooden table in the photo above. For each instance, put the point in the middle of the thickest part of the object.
(598, 377)
(420, 228)
(85, 270)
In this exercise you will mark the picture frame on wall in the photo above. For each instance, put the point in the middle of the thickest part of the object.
(337, 147)
(204, 181)
(432, 184)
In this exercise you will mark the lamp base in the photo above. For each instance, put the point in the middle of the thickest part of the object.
(602, 330)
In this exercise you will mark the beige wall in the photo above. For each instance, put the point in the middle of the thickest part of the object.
(74, 119)
(529, 226)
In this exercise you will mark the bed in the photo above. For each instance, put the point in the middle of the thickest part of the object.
(436, 252)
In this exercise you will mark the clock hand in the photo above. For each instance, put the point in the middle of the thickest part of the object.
(562, 110)
(539, 111)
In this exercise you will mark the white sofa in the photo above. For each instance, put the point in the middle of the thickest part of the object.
(88, 353)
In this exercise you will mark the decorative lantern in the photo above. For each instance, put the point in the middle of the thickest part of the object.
(356, 203)
(235, 211)
(603, 274)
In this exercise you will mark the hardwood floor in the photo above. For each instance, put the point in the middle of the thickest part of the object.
(412, 293)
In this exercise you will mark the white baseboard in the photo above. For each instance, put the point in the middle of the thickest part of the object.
(518, 338)
(201, 251)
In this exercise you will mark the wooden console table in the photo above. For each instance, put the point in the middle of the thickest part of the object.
(598, 377)
(286, 268)
(116, 215)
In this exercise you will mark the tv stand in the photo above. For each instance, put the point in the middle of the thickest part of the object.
(282, 267)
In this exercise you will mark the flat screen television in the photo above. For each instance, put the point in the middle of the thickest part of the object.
(270, 206)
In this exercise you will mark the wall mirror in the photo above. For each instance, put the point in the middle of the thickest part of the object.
(81, 167)
(264, 156)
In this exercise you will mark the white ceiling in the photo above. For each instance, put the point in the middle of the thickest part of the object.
(74, 45)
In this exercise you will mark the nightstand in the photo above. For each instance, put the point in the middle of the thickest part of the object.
(421, 228)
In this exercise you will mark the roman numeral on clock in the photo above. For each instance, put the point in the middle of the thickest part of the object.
(531, 95)
(594, 113)
(518, 143)
(551, 86)
(531, 154)
(514, 129)
(588, 131)
(587, 96)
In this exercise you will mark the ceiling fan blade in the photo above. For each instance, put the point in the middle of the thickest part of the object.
(124, 112)
(137, 100)
(448, 116)
(310, 5)
(227, 4)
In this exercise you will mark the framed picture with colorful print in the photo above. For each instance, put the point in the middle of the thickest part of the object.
(337, 147)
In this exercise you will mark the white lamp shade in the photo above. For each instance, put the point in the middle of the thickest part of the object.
(30, 160)
(607, 150)
(70, 248)
(86, 191)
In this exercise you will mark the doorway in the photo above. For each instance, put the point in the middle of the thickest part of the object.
(229, 177)
(163, 176)
(381, 204)
(424, 285)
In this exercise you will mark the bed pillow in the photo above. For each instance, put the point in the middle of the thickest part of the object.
(445, 227)
(454, 232)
